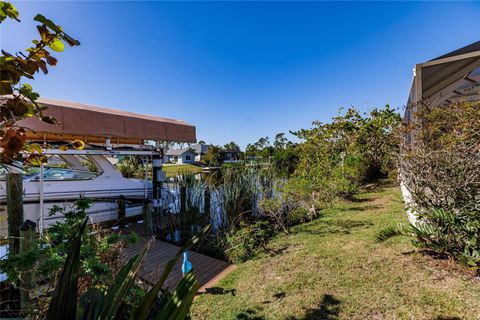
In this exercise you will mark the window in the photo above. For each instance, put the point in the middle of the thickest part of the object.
(188, 157)
(175, 159)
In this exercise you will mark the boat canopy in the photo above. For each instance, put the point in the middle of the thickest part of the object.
(94, 124)
(448, 78)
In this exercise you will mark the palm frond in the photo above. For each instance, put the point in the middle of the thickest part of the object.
(390, 232)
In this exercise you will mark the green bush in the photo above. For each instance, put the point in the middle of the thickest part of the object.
(444, 233)
(131, 167)
(246, 240)
(439, 164)
(114, 301)
(98, 252)
(337, 158)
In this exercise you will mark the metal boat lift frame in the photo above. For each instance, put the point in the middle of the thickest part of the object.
(154, 154)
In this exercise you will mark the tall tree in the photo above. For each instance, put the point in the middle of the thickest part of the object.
(280, 141)
(232, 146)
(213, 157)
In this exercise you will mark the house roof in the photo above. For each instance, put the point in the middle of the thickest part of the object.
(453, 76)
(200, 148)
(95, 124)
(177, 152)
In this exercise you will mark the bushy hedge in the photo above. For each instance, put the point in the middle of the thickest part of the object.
(337, 158)
(440, 165)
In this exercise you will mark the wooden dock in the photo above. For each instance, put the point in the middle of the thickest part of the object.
(208, 270)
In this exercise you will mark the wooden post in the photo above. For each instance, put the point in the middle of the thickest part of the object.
(27, 240)
(14, 184)
(157, 180)
(121, 211)
(206, 203)
(147, 217)
(183, 199)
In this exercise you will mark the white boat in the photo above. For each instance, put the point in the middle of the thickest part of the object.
(62, 186)
(102, 127)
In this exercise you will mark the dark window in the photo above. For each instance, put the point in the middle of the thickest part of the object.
(188, 158)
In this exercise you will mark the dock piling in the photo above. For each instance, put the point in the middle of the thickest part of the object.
(14, 185)
(121, 211)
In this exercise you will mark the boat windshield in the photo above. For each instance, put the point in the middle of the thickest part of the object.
(58, 174)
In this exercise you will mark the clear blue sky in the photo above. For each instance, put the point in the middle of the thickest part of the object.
(239, 71)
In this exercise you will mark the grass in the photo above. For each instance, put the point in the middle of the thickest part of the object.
(332, 268)
(173, 170)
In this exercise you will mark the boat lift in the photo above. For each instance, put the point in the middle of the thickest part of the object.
(106, 128)
(147, 155)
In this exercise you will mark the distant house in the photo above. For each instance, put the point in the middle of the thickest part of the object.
(180, 156)
(196, 153)
(232, 155)
(200, 151)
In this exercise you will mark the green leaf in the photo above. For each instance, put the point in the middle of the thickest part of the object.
(178, 305)
(473, 241)
(8, 10)
(91, 303)
(57, 45)
(124, 280)
(49, 23)
(64, 300)
(20, 109)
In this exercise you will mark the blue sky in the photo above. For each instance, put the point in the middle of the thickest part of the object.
(243, 70)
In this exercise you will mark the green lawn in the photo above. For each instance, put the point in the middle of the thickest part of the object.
(332, 268)
(172, 170)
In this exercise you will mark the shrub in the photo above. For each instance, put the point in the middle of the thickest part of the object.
(445, 233)
(131, 167)
(310, 195)
(440, 158)
(245, 240)
(439, 163)
(338, 157)
(113, 301)
(277, 210)
(99, 252)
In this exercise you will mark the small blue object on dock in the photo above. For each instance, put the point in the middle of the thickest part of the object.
(186, 265)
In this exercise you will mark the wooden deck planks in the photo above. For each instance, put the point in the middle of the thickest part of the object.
(208, 270)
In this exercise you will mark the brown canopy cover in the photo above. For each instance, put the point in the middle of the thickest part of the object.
(95, 124)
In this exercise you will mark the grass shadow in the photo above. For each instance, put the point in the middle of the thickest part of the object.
(323, 228)
(219, 291)
(360, 208)
(249, 314)
(328, 309)
(356, 199)
(273, 252)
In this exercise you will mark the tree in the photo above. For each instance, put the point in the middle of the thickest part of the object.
(231, 146)
(14, 69)
(251, 151)
(351, 150)
(280, 141)
(261, 149)
(213, 156)
(377, 142)
(262, 143)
